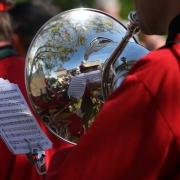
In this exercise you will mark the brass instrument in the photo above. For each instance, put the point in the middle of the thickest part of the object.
(74, 63)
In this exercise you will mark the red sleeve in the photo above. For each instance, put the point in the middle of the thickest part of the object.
(128, 140)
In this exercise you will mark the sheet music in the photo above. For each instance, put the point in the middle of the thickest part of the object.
(2, 81)
(78, 83)
(17, 123)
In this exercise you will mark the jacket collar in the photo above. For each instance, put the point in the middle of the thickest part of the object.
(174, 29)
(7, 51)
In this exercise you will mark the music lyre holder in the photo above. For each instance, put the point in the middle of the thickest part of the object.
(36, 157)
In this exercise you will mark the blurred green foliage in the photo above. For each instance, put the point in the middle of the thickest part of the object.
(21, 0)
(127, 7)
(63, 5)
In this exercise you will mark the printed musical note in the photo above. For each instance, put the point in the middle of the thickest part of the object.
(22, 134)
(14, 111)
(10, 98)
(33, 146)
(8, 92)
(15, 117)
(11, 104)
(23, 141)
(33, 127)
(27, 121)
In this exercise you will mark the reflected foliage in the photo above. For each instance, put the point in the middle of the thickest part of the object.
(59, 40)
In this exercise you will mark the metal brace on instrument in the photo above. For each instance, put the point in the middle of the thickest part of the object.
(36, 157)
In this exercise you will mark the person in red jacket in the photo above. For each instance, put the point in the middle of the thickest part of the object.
(136, 134)
(12, 68)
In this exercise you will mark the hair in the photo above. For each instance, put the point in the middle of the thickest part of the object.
(82, 69)
(5, 26)
(27, 19)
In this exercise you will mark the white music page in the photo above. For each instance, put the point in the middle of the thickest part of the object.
(18, 127)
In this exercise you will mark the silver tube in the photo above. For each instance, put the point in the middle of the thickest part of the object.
(132, 28)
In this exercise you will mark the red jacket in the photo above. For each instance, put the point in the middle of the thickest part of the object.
(17, 167)
(137, 133)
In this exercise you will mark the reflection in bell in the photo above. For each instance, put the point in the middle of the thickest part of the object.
(64, 69)
(96, 44)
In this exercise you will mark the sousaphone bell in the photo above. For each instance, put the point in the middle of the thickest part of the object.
(75, 61)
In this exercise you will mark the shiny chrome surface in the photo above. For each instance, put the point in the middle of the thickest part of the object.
(129, 56)
(64, 68)
(132, 29)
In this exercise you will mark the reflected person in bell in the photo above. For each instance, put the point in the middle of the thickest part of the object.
(90, 105)
(136, 134)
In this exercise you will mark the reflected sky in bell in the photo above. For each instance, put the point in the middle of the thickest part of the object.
(75, 23)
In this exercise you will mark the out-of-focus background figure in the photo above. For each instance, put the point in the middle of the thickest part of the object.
(12, 69)
(19, 24)
(27, 20)
(49, 6)
(114, 8)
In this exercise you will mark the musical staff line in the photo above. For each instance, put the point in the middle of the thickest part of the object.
(12, 104)
(23, 116)
(32, 145)
(33, 127)
(22, 134)
(10, 98)
(8, 91)
(23, 141)
(27, 121)
(14, 111)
